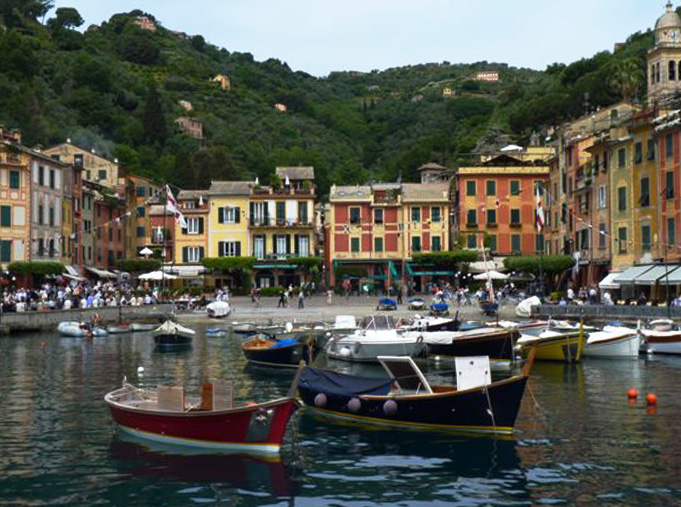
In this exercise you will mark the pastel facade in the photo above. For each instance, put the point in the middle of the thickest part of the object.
(191, 248)
(15, 201)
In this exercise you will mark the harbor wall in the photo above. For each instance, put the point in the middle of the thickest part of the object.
(607, 312)
(17, 322)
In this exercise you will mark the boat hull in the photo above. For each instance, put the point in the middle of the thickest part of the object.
(259, 429)
(488, 308)
(496, 346)
(663, 342)
(171, 341)
(626, 346)
(565, 349)
(288, 356)
(367, 352)
(493, 409)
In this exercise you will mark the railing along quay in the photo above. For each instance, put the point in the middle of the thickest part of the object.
(605, 312)
(14, 322)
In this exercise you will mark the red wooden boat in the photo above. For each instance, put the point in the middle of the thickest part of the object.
(210, 422)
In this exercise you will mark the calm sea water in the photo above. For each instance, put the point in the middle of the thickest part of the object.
(579, 441)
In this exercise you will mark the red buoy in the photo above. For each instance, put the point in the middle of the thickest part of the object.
(632, 394)
(651, 399)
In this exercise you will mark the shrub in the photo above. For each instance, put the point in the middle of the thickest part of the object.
(137, 265)
(35, 268)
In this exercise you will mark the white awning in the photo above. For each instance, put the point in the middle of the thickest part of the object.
(629, 276)
(610, 281)
(482, 267)
(102, 273)
(185, 271)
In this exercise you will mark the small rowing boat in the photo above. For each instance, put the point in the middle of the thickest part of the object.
(172, 335)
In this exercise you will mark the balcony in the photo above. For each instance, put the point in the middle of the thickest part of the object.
(492, 225)
(279, 222)
(471, 225)
(515, 225)
(10, 158)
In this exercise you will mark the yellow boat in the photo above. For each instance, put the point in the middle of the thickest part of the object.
(560, 344)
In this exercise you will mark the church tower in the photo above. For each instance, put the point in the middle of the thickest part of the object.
(664, 59)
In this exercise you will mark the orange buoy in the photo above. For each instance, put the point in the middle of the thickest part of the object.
(651, 399)
(651, 409)
(632, 394)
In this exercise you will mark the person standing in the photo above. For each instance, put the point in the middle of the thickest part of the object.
(301, 299)
(329, 297)
(282, 300)
(399, 295)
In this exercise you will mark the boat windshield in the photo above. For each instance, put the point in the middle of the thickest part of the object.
(378, 322)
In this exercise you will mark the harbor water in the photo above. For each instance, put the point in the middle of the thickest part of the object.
(579, 441)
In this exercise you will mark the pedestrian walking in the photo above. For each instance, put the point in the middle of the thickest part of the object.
(329, 297)
(399, 295)
(282, 300)
(301, 299)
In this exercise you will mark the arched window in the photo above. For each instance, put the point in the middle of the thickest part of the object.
(652, 74)
(657, 72)
(672, 70)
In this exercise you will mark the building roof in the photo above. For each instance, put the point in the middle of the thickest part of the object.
(191, 194)
(230, 187)
(350, 193)
(296, 173)
(669, 19)
(425, 192)
(432, 166)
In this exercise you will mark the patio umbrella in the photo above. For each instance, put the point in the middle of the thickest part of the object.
(491, 275)
(146, 251)
(157, 275)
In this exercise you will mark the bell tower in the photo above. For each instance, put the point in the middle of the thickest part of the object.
(664, 59)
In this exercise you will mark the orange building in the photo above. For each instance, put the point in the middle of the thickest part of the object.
(497, 200)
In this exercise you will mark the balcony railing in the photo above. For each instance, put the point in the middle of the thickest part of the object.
(278, 256)
(280, 222)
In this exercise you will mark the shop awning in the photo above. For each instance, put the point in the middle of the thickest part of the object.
(185, 271)
(411, 272)
(102, 273)
(72, 274)
(629, 276)
(275, 266)
(610, 281)
(654, 275)
(672, 278)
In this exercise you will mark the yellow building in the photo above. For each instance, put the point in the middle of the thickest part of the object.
(227, 227)
(281, 222)
(191, 244)
(140, 194)
(15, 199)
(625, 233)
(96, 168)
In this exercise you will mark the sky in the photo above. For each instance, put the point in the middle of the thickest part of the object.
(321, 36)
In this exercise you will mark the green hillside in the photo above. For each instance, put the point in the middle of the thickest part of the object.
(117, 88)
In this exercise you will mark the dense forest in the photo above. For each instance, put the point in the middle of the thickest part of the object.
(117, 88)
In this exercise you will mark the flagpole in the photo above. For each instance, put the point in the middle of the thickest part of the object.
(165, 229)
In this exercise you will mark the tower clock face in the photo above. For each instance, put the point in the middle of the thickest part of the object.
(674, 34)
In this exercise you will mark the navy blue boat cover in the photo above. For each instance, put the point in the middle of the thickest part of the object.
(339, 384)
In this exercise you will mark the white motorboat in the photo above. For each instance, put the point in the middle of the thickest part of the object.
(78, 329)
(377, 337)
(218, 309)
(138, 327)
(613, 341)
(663, 338)
(171, 334)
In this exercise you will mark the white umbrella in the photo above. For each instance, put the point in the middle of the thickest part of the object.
(491, 275)
(157, 275)
(146, 251)
(287, 182)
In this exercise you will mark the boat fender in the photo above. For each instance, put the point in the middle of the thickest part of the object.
(354, 405)
(320, 400)
(345, 352)
(390, 407)
(355, 347)
(419, 340)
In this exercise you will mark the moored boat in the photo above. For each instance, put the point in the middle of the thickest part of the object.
(79, 329)
(120, 328)
(172, 335)
(378, 336)
(558, 344)
(138, 327)
(664, 338)
(218, 309)
(613, 341)
(265, 350)
(486, 341)
(211, 422)
(406, 399)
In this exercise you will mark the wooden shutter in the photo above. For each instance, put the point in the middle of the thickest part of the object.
(237, 215)
(221, 215)
(221, 249)
(238, 248)
(288, 243)
(296, 242)
(200, 225)
(185, 254)
(251, 210)
(266, 213)
(201, 253)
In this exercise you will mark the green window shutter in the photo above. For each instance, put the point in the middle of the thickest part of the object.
(221, 215)
(185, 254)
(237, 215)
(201, 253)
(5, 251)
(221, 249)
(6, 216)
(200, 225)
(238, 248)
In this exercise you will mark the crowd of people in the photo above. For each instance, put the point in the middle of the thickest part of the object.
(85, 294)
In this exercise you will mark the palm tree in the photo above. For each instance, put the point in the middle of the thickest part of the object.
(626, 77)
